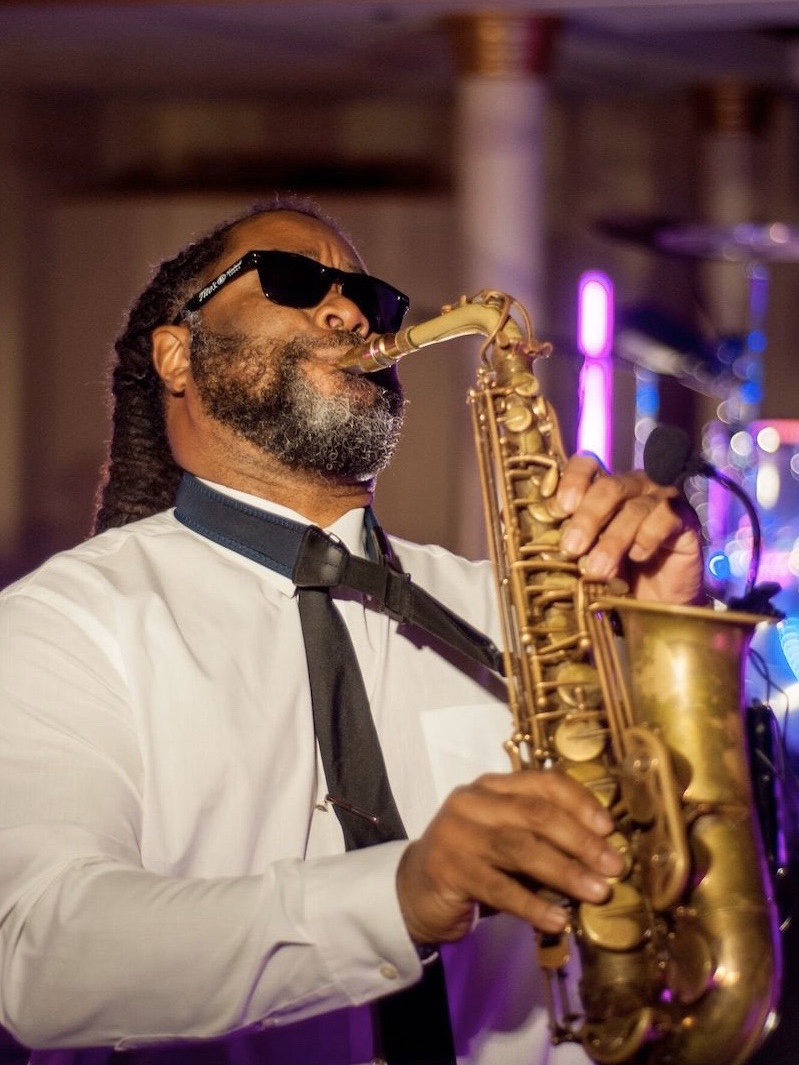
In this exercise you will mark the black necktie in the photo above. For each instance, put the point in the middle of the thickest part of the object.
(357, 782)
(412, 1024)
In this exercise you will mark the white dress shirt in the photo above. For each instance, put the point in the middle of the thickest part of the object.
(168, 868)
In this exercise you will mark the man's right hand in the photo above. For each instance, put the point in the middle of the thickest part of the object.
(509, 841)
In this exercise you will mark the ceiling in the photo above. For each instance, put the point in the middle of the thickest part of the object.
(377, 46)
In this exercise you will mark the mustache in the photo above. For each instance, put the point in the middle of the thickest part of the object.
(337, 339)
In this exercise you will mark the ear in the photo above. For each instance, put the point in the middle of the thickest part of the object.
(171, 345)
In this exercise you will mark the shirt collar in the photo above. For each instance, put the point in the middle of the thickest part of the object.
(349, 528)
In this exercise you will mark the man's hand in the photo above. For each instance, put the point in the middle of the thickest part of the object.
(497, 843)
(626, 525)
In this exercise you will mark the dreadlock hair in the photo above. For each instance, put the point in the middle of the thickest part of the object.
(139, 476)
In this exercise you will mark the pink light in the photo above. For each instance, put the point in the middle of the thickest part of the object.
(595, 315)
(595, 339)
(593, 433)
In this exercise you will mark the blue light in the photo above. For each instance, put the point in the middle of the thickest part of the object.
(751, 392)
(718, 566)
(647, 399)
(756, 341)
(788, 632)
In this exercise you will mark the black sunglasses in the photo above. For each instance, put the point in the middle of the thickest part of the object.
(296, 281)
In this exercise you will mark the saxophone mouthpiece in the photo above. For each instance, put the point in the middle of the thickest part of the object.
(371, 356)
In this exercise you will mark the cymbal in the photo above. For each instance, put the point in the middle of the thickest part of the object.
(635, 229)
(745, 242)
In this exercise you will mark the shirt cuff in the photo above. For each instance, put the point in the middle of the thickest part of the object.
(352, 912)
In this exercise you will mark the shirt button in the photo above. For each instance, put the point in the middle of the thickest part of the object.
(389, 971)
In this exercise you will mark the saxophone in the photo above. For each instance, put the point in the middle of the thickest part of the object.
(681, 964)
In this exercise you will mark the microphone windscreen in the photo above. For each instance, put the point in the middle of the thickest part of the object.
(667, 454)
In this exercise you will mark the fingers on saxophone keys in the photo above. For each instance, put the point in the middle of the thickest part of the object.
(544, 832)
(577, 477)
(619, 539)
(549, 804)
(537, 891)
(526, 902)
(640, 527)
(572, 861)
(610, 504)
(668, 522)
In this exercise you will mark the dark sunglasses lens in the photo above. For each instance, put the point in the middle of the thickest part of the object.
(383, 306)
(292, 280)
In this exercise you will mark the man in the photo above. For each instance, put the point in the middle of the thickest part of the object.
(172, 867)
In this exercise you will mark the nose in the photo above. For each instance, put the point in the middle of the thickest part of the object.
(337, 311)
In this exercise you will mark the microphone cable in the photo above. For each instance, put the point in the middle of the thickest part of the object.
(669, 457)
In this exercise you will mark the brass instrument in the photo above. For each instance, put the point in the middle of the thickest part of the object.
(681, 964)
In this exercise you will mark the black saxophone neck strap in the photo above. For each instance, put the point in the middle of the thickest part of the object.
(313, 559)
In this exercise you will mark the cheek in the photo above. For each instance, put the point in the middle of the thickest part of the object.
(256, 317)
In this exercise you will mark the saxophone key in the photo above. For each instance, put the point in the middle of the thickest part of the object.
(619, 924)
(553, 952)
(598, 780)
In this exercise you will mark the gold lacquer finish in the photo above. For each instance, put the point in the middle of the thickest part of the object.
(681, 965)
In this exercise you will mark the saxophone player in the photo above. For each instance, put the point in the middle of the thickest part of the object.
(180, 877)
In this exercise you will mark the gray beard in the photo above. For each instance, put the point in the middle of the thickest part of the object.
(264, 396)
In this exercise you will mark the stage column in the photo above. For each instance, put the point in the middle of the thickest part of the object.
(499, 165)
(12, 207)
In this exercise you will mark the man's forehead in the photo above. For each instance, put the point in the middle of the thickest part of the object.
(292, 231)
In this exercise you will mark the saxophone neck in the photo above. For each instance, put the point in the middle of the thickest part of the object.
(488, 314)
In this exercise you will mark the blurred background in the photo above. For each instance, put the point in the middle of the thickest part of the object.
(653, 146)
(650, 147)
(463, 147)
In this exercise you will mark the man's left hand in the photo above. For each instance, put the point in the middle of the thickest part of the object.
(626, 525)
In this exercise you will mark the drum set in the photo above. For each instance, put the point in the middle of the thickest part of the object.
(761, 455)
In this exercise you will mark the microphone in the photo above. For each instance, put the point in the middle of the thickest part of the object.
(669, 458)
